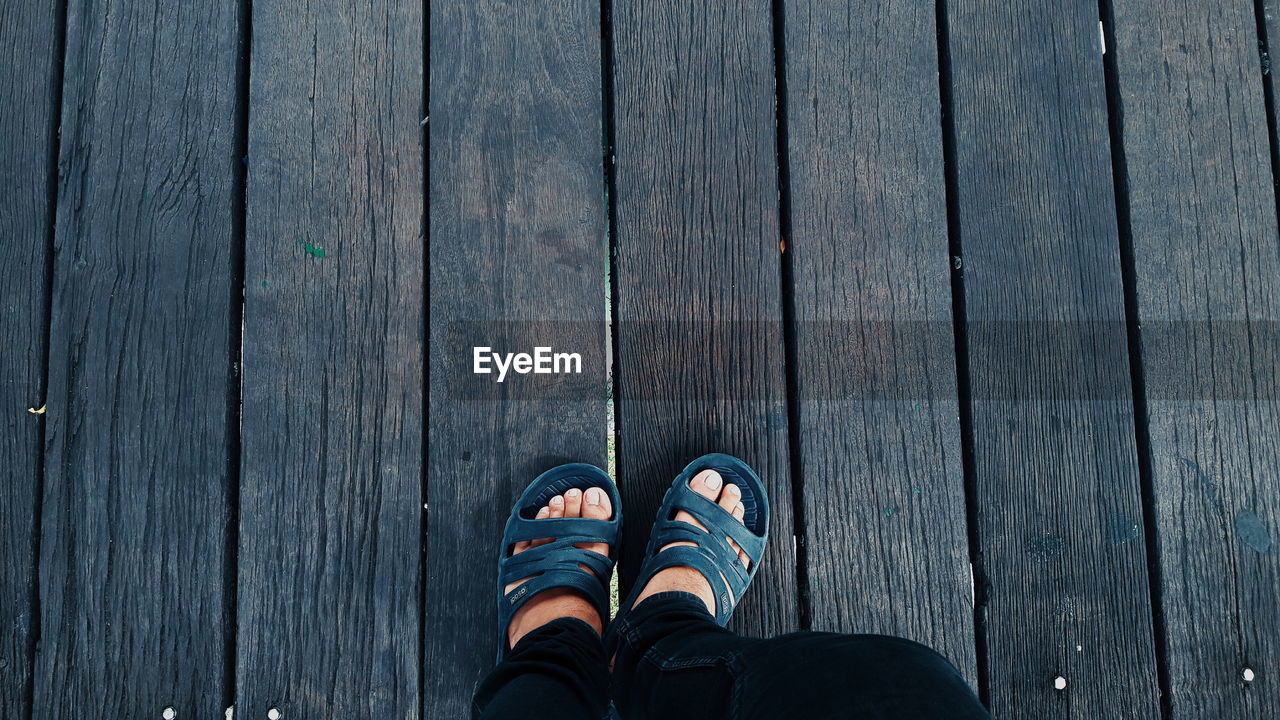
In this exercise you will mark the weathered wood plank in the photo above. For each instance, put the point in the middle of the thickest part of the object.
(330, 530)
(517, 259)
(27, 116)
(1057, 481)
(699, 307)
(135, 504)
(1207, 281)
(879, 430)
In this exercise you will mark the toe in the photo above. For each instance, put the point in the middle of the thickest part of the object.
(543, 514)
(731, 497)
(707, 484)
(573, 503)
(739, 512)
(555, 509)
(731, 501)
(596, 504)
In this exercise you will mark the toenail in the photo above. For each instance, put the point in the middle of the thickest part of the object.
(712, 481)
(573, 493)
(557, 500)
(733, 489)
(593, 496)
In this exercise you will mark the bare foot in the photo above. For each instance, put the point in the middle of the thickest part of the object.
(710, 485)
(556, 603)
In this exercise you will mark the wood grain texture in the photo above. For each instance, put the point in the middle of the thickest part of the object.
(331, 514)
(135, 504)
(700, 344)
(1057, 481)
(28, 116)
(517, 260)
(886, 540)
(1207, 271)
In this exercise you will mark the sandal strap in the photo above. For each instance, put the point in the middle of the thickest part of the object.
(577, 579)
(520, 529)
(559, 554)
(719, 523)
(696, 557)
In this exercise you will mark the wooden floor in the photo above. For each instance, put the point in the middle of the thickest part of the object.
(988, 292)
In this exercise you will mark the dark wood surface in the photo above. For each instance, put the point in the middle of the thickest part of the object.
(1059, 510)
(1207, 272)
(517, 253)
(28, 112)
(136, 496)
(879, 429)
(331, 475)
(255, 515)
(700, 364)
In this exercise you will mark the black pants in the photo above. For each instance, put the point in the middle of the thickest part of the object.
(673, 662)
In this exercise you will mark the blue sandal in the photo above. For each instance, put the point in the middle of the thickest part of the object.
(711, 555)
(555, 564)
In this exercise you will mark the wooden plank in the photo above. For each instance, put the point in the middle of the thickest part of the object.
(330, 521)
(1057, 480)
(700, 343)
(517, 260)
(27, 113)
(1207, 280)
(879, 429)
(136, 471)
